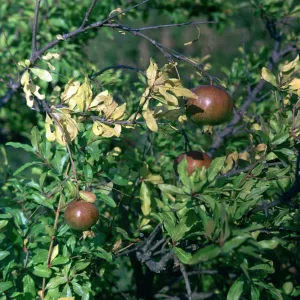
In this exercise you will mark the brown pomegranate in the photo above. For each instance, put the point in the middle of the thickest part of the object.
(81, 215)
(195, 159)
(212, 107)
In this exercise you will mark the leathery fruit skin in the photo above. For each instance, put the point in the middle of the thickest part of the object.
(195, 159)
(81, 215)
(213, 106)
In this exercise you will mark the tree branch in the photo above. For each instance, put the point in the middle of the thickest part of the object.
(35, 27)
(185, 276)
(116, 67)
(87, 15)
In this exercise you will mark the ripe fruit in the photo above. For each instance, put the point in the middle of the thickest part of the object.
(212, 107)
(195, 159)
(81, 215)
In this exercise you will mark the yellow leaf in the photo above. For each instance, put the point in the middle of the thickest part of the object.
(25, 78)
(50, 55)
(288, 67)
(28, 95)
(108, 110)
(182, 118)
(169, 98)
(42, 74)
(97, 128)
(60, 37)
(180, 91)
(116, 151)
(35, 90)
(268, 76)
(83, 98)
(160, 80)
(71, 89)
(54, 252)
(150, 120)
(49, 134)
(100, 98)
(295, 84)
(119, 112)
(108, 131)
(261, 147)
(144, 97)
(244, 156)
(151, 73)
(118, 129)
(51, 67)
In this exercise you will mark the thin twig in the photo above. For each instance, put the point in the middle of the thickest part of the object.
(87, 15)
(185, 276)
(116, 67)
(35, 27)
(55, 225)
(172, 25)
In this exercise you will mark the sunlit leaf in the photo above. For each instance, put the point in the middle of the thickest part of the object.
(150, 120)
(151, 73)
(268, 76)
(145, 196)
(42, 74)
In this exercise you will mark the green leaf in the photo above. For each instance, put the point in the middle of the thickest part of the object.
(215, 168)
(3, 254)
(100, 252)
(35, 138)
(276, 293)
(3, 223)
(263, 267)
(42, 74)
(4, 286)
(25, 166)
(183, 174)
(145, 196)
(81, 265)
(205, 254)
(124, 233)
(22, 146)
(169, 221)
(120, 180)
(29, 285)
(77, 288)
(233, 243)
(170, 189)
(42, 271)
(255, 293)
(182, 255)
(55, 282)
(269, 244)
(236, 289)
(59, 261)
(107, 199)
(88, 172)
(280, 138)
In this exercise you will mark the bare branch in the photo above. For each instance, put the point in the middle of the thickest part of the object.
(172, 25)
(87, 15)
(185, 276)
(116, 67)
(35, 27)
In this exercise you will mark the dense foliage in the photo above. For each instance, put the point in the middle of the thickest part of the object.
(227, 231)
